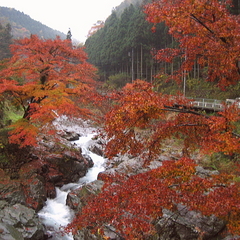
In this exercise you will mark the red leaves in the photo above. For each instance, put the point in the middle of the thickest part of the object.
(206, 32)
(131, 206)
(50, 76)
(222, 138)
(24, 133)
(136, 107)
(167, 54)
(142, 119)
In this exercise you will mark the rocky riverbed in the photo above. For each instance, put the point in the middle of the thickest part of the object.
(53, 165)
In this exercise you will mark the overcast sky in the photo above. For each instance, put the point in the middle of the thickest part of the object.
(78, 15)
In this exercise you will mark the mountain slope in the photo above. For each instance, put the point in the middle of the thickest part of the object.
(126, 3)
(23, 26)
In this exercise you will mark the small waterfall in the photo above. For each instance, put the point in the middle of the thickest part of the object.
(56, 214)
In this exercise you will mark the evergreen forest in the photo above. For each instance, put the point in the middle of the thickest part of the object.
(124, 49)
(5, 41)
(125, 43)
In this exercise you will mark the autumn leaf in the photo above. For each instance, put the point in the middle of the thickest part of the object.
(46, 78)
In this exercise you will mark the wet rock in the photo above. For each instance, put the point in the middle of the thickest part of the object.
(12, 192)
(78, 198)
(35, 192)
(89, 160)
(85, 234)
(18, 222)
(8, 232)
(231, 237)
(97, 150)
(33, 181)
(204, 173)
(188, 225)
(70, 166)
(50, 190)
(71, 136)
(106, 175)
(54, 176)
(72, 170)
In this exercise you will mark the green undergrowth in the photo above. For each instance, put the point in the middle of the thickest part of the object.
(11, 156)
(9, 113)
(229, 164)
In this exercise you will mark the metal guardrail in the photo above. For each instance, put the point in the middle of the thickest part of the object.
(211, 104)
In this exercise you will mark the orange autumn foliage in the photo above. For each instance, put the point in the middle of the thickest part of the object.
(137, 125)
(45, 78)
(207, 34)
(140, 121)
(132, 205)
(97, 26)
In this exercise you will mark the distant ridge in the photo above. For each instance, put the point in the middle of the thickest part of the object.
(23, 25)
(126, 3)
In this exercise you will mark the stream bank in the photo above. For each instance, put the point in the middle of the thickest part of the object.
(52, 164)
(56, 214)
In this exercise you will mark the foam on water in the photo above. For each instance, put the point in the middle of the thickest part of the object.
(56, 214)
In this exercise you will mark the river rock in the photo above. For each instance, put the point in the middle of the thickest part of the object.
(70, 166)
(17, 222)
(89, 160)
(35, 192)
(33, 178)
(188, 225)
(85, 234)
(70, 136)
(96, 149)
(50, 165)
(78, 198)
(28, 189)
(12, 192)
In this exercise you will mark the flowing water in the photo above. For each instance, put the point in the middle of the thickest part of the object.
(56, 214)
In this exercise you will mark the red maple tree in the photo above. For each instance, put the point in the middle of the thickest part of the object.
(207, 34)
(138, 124)
(45, 78)
(140, 121)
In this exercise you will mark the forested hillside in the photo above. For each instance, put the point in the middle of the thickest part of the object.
(124, 50)
(125, 43)
(23, 26)
(125, 4)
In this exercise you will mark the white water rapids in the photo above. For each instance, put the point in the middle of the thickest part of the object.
(56, 214)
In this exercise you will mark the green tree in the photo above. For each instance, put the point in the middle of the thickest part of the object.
(111, 47)
(5, 41)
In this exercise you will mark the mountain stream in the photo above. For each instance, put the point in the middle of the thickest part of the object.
(56, 214)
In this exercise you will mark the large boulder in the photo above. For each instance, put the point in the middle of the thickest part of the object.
(12, 192)
(70, 136)
(78, 198)
(33, 179)
(188, 225)
(17, 222)
(71, 165)
(37, 179)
